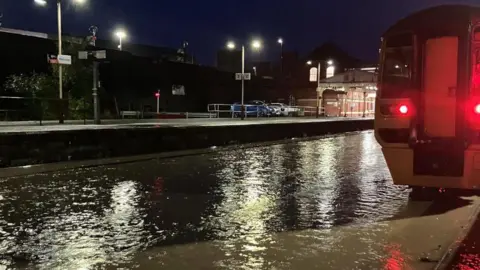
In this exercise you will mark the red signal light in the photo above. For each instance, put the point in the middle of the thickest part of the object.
(477, 109)
(403, 109)
(157, 95)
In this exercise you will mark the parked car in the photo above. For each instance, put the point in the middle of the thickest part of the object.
(253, 108)
(282, 109)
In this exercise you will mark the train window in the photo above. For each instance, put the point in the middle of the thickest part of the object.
(397, 64)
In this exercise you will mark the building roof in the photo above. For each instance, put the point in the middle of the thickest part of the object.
(141, 50)
(352, 76)
(24, 33)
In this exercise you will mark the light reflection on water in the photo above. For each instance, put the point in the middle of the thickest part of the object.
(255, 208)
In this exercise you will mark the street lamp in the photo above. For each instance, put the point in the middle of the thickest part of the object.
(280, 41)
(121, 35)
(256, 45)
(60, 68)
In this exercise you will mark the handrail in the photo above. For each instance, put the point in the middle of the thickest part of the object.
(222, 108)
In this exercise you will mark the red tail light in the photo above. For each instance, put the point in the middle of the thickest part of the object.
(476, 110)
(403, 109)
(473, 113)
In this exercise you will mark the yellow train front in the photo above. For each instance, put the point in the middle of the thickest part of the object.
(427, 115)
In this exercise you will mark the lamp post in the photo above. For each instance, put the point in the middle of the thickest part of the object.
(256, 45)
(60, 68)
(280, 41)
(319, 96)
(121, 34)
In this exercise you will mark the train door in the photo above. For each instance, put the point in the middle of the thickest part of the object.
(440, 85)
(440, 152)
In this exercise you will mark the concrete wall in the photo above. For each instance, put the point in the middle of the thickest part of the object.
(22, 149)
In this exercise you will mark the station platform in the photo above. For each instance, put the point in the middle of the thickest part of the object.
(23, 144)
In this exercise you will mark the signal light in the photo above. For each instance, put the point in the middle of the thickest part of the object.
(477, 109)
(403, 109)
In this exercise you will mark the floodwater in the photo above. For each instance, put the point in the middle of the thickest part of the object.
(319, 204)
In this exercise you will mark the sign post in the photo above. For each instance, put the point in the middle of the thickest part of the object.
(96, 102)
(60, 60)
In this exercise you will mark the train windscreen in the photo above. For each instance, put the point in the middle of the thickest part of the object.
(397, 72)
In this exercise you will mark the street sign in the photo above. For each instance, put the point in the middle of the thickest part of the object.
(52, 59)
(178, 90)
(83, 55)
(100, 54)
(64, 59)
(246, 76)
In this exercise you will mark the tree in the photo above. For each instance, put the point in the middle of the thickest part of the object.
(77, 83)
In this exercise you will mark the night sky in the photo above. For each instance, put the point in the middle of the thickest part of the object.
(355, 25)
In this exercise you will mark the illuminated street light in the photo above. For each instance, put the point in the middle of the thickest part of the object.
(60, 68)
(309, 62)
(330, 62)
(41, 2)
(256, 44)
(121, 34)
(280, 41)
(231, 45)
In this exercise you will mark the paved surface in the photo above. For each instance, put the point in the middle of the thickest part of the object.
(22, 127)
(320, 204)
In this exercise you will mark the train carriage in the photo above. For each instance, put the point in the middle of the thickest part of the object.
(427, 112)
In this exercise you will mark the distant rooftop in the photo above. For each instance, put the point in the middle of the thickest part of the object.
(167, 53)
(24, 33)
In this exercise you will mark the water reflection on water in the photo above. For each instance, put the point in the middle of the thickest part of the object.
(250, 208)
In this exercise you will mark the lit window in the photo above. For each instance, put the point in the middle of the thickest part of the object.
(313, 74)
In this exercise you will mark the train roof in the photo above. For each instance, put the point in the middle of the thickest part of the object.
(438, 16)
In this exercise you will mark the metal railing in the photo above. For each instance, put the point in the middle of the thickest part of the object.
(15, 108)
(234, 110)
(144, 115)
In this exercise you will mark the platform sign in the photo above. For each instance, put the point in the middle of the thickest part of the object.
(97, 54)
(83, 55)
(100, 54)
(59, 59)
(52, 59)
(178, 90)
(245, 76)
(64, 59)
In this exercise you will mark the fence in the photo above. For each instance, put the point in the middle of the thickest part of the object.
(14, 108)
(234, 110)
(163, 115)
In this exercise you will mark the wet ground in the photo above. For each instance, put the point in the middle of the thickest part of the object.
(320, 204)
